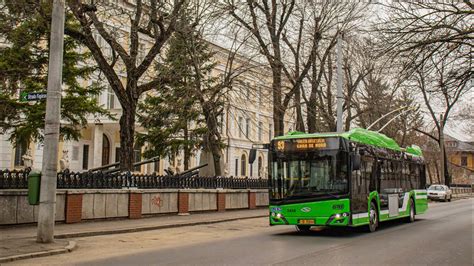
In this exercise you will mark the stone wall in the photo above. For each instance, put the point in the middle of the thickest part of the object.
(105, 203)
(159, 201)
(14, 207)
(75, 205)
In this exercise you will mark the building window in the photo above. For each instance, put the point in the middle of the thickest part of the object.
(251, 170)
(221, 123)
(141, 53)
(85, 157)
(105, 150)
(247, 127)
(270, 132)
(157, 166)
(110, 98)
(243, 165)
(240, 126)
(117, 154)
(75, 153)
(20, 150)
(260, 129)
(260, 165)
(137, 155)
(236, 166)
(463, 160)
(260, 95)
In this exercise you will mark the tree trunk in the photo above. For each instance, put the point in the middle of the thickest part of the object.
(216, 155)
(186, 149)
(311, 105)
(447, 176)
(278, 112)
(299, 115)
(438, 174)
(127, 134)
(212, 141)
(428, 167)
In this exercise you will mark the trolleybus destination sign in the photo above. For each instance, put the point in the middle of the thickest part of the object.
(307, 144)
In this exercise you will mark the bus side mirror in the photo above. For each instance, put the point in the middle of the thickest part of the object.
(252, 156)
(355, 158)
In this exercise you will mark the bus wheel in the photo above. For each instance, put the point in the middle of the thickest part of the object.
(411, 218)
(303, 228)
(373, 218)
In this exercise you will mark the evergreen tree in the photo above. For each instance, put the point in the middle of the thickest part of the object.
(25, 28)
(172, 117)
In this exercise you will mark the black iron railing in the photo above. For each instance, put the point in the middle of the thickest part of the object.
(18, 179)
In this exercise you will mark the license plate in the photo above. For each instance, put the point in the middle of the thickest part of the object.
(306, 221)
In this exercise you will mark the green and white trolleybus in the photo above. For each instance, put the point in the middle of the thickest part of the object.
(355, 178)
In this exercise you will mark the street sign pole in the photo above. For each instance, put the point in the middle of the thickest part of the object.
(46, 215)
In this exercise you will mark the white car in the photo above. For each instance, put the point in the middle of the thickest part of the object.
(439, 192)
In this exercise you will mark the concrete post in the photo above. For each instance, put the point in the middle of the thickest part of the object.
(46, 215)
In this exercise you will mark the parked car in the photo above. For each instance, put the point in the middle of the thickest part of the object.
(440, 192)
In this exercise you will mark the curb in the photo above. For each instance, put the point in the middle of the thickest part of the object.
(149, 228)
(72, 245)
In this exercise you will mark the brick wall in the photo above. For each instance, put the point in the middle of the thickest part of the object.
(252, 200)
(135, 205)
(220, 201)
(183, 203)
(73, 208)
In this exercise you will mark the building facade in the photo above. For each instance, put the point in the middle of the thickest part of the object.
(247, 120)
(461, 160)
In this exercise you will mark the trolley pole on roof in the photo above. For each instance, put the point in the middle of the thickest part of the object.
(46, 214)
(340, 96)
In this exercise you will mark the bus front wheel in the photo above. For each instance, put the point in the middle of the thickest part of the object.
(373, 218)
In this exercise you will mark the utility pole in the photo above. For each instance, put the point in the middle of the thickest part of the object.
(46, 216)
(340, 96)
(441, 147)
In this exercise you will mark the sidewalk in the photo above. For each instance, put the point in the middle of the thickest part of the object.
(18, 242)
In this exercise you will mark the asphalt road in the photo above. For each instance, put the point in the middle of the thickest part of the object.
(442, 236)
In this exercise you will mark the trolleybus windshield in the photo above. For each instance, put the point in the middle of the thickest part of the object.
(309, 174)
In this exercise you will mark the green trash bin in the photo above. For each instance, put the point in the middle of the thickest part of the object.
(34, 182)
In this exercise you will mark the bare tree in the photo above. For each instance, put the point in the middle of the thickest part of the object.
(433, 42)
(335, 18)
(124, 28)
(410, 29)
(442, 84)
(270, 24)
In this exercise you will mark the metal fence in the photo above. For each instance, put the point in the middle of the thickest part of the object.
(18, 179)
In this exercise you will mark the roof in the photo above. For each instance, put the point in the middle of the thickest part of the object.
(358, 135)
(460, 145)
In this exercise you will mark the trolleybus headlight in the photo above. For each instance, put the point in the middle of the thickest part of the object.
(278, 215)
(273, 214)
(345, 214)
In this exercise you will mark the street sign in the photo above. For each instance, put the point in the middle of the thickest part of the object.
(32, 96)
